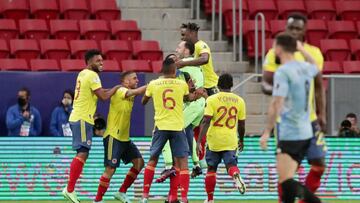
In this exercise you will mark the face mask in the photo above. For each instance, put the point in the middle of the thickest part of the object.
(66, 102)
(21, 101)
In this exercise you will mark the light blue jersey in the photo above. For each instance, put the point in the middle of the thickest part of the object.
(292, 81)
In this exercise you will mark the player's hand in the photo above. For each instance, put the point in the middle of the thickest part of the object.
(299, 46)
(198, 148)
(179, 64)
(322, 123)
(241, 146)
(263, 140)
(26, 114)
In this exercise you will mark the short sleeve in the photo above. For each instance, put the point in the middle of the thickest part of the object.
(319, 59)
(209, 111)
(204, 48)
(242, 110)
(95, 82)
(313, 69)
(270, 62)
(281, 84)
(122, 92)
(148, 91)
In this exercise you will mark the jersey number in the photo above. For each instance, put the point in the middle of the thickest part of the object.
(78, 85)
(307, 91)
(166, 100)
(232, 112)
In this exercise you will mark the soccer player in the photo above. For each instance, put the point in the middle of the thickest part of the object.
(202, 57)
(88, 90)
(296, 27)
(117, 143)
(168, 95)
(291, 102)
(224, 121)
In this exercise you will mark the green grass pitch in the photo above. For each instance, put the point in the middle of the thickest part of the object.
(158, 201)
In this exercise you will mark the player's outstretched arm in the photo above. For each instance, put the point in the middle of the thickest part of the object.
(306, 54)
(241, 132)
(135, 92)
(203, 59)
(145, 100)
(320, 101)
(267, 82)
(205, 124)
(105, 94)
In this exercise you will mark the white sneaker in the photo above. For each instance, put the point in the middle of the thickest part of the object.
(71, 196)
(122, 197)
(239, 183)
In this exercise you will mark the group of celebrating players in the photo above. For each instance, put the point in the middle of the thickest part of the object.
(189, 97)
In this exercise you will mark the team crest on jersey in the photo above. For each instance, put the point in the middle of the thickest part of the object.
(97, 80)
(114, 161)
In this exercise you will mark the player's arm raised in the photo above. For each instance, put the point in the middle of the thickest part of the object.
(135, 92)
(203, 59)
(306, 54)
(105, 94)
(320, 101)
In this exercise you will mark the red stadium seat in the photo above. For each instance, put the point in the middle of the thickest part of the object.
(136, 65)
(156, 66)
(44, 9)
(267, 7)
(116, 50)
(94, 29)
(55, 49)
(75, 10)
(14, 65)
(147, 50)
(355, 48)
(34, 29)
(332, 67)
(65, 29)
(15, 9)
(72, 64)
(208, 6)
(249, 33)
(8, 29)
(125, 30)
(44, 65)
(105, 9)
(351, 66)
(322, 10)
(316, 30)
(268, 44)
(287, 7)
(79, 47)
(111, 66)
(227, 14)
(342, 30)
(25, 48)
(348, 10)
(277, 26)
(335, 49)
(4, 49)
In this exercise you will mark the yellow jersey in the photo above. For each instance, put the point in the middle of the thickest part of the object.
(225, 109)
(210, 77)
(119, 117)
(271, 66)
(168, 97)
(85, 100)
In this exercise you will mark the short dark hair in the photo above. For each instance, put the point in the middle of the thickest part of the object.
(69, 91)
(126, 73)
(345, 124)
(298, 16)
(91, 53)
(25, 89)
(225, 81)
(166, 66)
(183, 26)
(189, 45)
(287, 42)
(193, 27)
(351, 115)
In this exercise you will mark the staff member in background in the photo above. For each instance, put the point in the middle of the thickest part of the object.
(59, 124)
(22, 119)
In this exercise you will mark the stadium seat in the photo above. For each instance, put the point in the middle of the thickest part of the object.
(316, 30)
(79, 47)
(34, 29)
(268, 44)
(116, 50)
(25, 48)
(355, 48)
(4, 49)
(332, 67)
(55, 49)
(136, 65)
(249, 34)
(75, 10)
(72, 64)
(351, 66)
(267, 7)
(125, 30)
(277, 26)
(348, 10)
(335, 49)
(44, 9)
(147, 50)
(14, 65)
(15, 9)
(286, 7)
(322, 10)
(156, 66)
(65, 29)
(94, 29)
(8, 29)
(342, 30)
(227, 14)
(208, 6)
(111, 66)
(44, 65)
(105, 9)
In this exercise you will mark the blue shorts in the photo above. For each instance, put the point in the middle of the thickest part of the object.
(213, 159)
(178, 143)
(114, 150)
(190, 137)
(317, 149)
(82, 134)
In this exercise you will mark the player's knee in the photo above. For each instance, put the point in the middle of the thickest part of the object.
(139, 164)
(318, 164)
(153, 161)
(109, 171)
(83, 154)
(212, 169)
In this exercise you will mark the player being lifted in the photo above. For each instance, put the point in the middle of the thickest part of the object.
(117, 143)
(224, 121)
(291, 102)
(168, 95)
(88, 90)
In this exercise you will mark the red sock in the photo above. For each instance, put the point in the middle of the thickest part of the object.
(174, 185)
(184, 184)
(76, 167)
(279, 192)
(103, 186)
(148, 178)
(233, 170)
(129, 179)
(210, 182)
(313, 178)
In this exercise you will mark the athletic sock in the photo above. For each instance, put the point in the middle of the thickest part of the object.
(292, 189)
(148, 178)
(129, 179)
(313, 178)
(233, 170)
(210, 182)
(174, 185)
(184, 184)
(76, 168)
(103, 186)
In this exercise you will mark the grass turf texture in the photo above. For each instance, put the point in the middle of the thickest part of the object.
(158, 201)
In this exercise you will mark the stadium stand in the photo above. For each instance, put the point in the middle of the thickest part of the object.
(116, 50)
(125, 30)
(4, 49)
(332, 67)
(348, 10)
(285, 8)
(55, 49)
(277, 26)
(8, 29)
(136, 65)
(79, 47)
(14, 65)
(322, 10)
(156, 66)
(76, 10)
(65, 29)
(249, 32)
(355, 48)
(15, 9)
(44, 65)
(105, 9)
(44, 9)
(335, 49)
(342, 30)
(267, 7)
(33, 29)
(147, 50)
(111, 66)
(316, 31)
(351, 67)
(94, 29)
(25, 48)
(72, 64)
